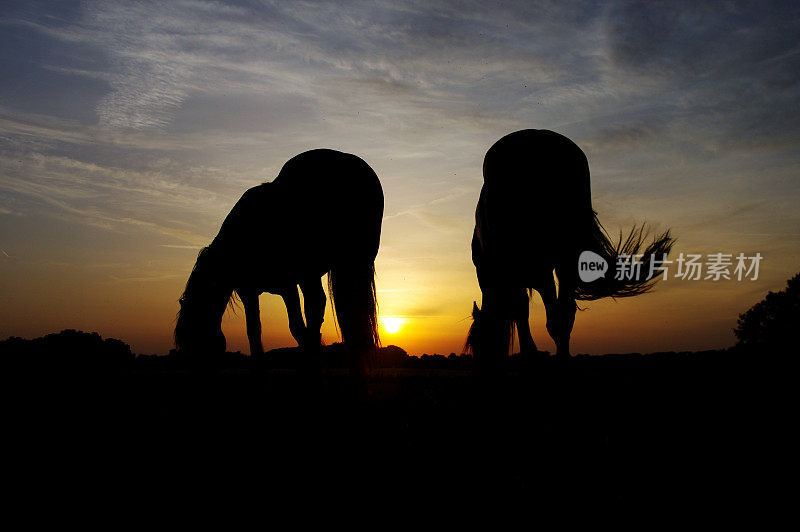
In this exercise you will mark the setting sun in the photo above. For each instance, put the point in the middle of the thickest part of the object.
(392, 324)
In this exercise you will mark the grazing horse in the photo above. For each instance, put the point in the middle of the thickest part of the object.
(534, 217)
(321, 214)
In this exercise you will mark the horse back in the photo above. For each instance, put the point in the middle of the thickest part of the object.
(537, 164)
(535, 204)
(323, 207)
(334, 195)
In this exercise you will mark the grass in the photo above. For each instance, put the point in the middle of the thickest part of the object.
(609, 431)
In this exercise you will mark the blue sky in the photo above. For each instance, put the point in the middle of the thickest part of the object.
(129, 129)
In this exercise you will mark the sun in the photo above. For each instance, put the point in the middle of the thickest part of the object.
(392, 324)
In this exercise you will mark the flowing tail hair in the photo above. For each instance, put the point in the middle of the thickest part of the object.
(351, 288)
(630, 247)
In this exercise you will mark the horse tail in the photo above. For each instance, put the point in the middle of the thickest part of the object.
(641, 280)
(353, 298)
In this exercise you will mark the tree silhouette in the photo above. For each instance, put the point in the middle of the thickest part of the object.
(68, 349)
(772, 322)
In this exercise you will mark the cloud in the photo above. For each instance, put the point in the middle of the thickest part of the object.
(625, 137)
(105, 197)
(161, 53)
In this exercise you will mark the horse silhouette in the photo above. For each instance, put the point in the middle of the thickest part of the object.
(534, 217)
(321, 214)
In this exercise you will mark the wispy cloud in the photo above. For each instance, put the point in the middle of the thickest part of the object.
(104, 197)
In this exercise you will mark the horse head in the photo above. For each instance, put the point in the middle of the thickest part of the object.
(490, 334)
(475, 336)
(198, 329)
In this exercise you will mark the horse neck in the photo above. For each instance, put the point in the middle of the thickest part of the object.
(209, 285)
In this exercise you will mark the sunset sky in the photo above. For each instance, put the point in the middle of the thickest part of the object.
(129, 129)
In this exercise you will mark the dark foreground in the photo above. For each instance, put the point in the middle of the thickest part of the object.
(603, 433)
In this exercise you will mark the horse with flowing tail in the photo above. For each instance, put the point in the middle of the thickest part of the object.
(321, 214)
(534, 217)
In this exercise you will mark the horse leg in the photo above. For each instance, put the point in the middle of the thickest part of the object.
(547, 289)
(314, 301)
(565, 308)
(296, 325)
(314, 309)
(521, 309)
(252, 317)
(496, 330)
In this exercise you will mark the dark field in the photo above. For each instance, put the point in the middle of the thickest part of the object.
(612, 433)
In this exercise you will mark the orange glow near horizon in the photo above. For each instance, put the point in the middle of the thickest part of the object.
(422, 311)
